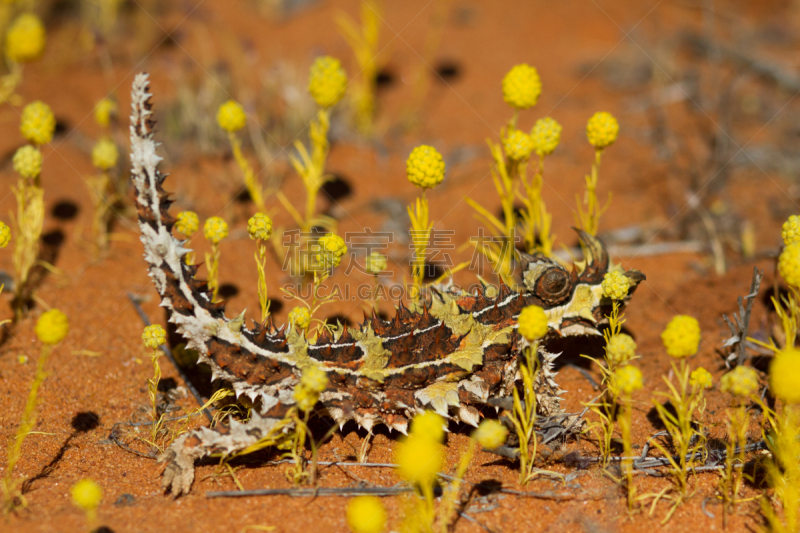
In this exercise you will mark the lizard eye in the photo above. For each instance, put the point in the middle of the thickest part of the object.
(553, 285)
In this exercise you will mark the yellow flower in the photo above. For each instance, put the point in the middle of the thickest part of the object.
(25, 39)
(104, 110)
(789, 264)
(419, 459)
(790, 232)
(306, 398)
(490, 434)
(620, 349)
(105, 154)
(376, 263)
(626, 379)
(300, 316)
(154, 336)
(37, 123)
(27, 161)
(5, 235)
(327, 81)
(231, 117)
(425, 167)
(533, 323)
(314, 379)
(701, 379)
(428, 425)
(545, 135)
(518, 145)
(602, 129)
(681, 337)
(522, 87)
(741, 381)
(187, 223)
(615, 285)
(259, 227)
(331, 250)
(215, 229)
(365, 514)
(87, 494)
(784, 375)
(52, 327)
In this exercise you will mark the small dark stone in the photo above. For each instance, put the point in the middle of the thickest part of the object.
(125, 500)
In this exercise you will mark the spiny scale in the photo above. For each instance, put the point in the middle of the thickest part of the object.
(450, 353)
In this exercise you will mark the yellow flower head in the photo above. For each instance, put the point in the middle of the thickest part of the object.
(615, 285)
(154, 336)
(52, 327)
(314, 379)
(518, 145)
(27, 161)
(215, 229)
(533, 323)
(620, 349)
(376, 263)
(626, 379)
(701, 379)
(419, 459)
(789, 264)
(428, 425)
(300, 316)
(490, 434)
(425, 167)
(331, 250)
(546, 134)
(5, 235)
(306, 398)
(231, 117)
(790, 232)
(259, 227)
(187, 223)
(104, 111)
(25, 39)
(365, 514)
(87, 494)
(681, 337)
(37, 123)
(105, 154)
(327, 81)
(741, 381)
(602, 130)
(784, 375)
(522, 87)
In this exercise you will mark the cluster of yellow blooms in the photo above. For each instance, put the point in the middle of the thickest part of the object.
(790, 232)
(420, 457)
(533, 323)
(52, 327)
(312, 382)
(365, 514)
(626, 379)
(425, 167)
(104, 111)
(5, 235)
(259, 227)
(154, 336)
(327, 82)
(25, 38)
(620, 349)
(376, 263)
(300, 316)
(490, 434)
(545, 136)
(231, 116)
(518, 145)
(789, 264)
(522, 87)
(187, 223)
(331, 250)
(27, 161)
(615, 285)
(701, 378)
(86, 495)
(783, 373)
(602, 130)
(105, 154)
(37, 123)
(215, 229)
(681, 337)
(741, 381)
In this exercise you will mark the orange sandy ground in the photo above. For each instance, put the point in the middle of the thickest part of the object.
(556, 37)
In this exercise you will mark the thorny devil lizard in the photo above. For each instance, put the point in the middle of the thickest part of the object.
(451, 353)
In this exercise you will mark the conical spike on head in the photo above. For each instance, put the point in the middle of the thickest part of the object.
(595, 257)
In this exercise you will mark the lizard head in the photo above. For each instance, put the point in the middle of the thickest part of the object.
(573, 299)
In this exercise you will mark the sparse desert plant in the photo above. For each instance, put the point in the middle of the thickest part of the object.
(215, 229)
(366, 514)
(260, 229)
(231, 118)
(601, 130)
(51, 328)
(25, 40)
(154, 336)
(87, 495)
(104, 158)
(187, 223)
(625, 380)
